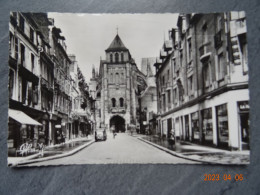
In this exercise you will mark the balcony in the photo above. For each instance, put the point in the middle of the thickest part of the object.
(204, 52)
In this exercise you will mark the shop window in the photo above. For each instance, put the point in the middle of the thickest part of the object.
(207, 128)
(195, 126)
(222, 124)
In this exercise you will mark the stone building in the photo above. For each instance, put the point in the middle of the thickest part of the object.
(118, 85)
(30, 81)
(202, 81)
(42, 84)
(148, 98)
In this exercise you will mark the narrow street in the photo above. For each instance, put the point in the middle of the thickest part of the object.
(123, 149)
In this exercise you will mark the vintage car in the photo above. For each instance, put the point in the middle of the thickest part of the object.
(100, 134)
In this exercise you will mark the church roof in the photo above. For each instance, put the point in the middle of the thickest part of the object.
(117, 45)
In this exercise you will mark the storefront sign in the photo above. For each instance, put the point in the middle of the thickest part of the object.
(243, 106)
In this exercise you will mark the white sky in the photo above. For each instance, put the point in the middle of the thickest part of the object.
(89, 35)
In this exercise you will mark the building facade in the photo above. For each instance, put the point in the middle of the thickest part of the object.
(202, 81)
(42, 87)
(118, 86)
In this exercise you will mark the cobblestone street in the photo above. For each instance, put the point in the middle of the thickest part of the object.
(122, 149)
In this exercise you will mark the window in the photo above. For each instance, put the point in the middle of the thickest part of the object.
(219, 23)
(181, 58)
(163, 81)
(204, 34)
(122, 77)
(32, 61)
(164, 103)
(121, 102)
(169, 99)
(31, 35)
(243, 46)
(21, 23)
(111, 57)
(11, 83)
(174, 95)
(113, 100)
(206, 74)
(168, 75)
(22, 54)
(190, 84)
(111, 78)
(189, 50)
(221, 67)
(117, 78)
(122, 57)
(16, 47)
(117, 57)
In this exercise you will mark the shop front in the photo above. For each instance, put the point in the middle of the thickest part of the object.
(222, 126)
(243, 108)
(21, 129)
(207, 127)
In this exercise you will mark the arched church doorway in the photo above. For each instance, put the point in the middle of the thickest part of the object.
(117, 123)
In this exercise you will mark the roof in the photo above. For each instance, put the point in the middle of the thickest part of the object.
(117, 45)
(22, 118)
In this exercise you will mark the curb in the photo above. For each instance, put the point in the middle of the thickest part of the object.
(29, 161)
(188, 158)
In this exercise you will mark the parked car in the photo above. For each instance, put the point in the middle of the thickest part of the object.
(100, 134)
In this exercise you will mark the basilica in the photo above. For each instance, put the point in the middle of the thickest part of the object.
(116, 88)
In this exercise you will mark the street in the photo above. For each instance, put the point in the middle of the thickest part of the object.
(123, 149)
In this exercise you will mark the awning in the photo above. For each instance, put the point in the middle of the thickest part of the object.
(22, 118)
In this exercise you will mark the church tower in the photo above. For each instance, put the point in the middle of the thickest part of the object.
(117, 88)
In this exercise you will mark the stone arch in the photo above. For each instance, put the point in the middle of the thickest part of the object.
(117, 123)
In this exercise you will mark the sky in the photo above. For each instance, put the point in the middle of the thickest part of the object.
(89, 35)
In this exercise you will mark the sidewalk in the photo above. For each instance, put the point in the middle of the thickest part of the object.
(199, 153)
(53, 152)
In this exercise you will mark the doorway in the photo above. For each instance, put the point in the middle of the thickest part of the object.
(117, 123)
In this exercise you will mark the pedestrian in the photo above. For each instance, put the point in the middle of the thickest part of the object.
(171, 139)
(114, 134)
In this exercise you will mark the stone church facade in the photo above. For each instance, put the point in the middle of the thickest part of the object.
(117, 87)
